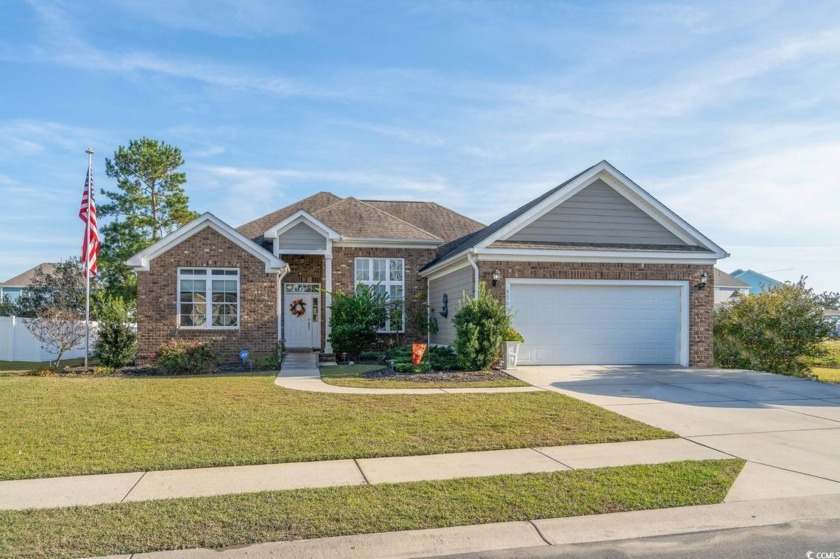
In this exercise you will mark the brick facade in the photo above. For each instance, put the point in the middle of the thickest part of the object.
(258, 331)
(701, 301)
(415, 286)
(157, 297)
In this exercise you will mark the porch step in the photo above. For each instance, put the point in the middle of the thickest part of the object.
(300, 362)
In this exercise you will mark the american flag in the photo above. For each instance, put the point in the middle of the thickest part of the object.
(90, 243)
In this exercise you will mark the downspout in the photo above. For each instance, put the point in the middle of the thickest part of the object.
(475, 267)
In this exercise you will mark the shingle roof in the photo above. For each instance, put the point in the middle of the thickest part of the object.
(355, 219)
(254, 229)
(25, 279)
(453, 247)
(722, 279)
(429, 216)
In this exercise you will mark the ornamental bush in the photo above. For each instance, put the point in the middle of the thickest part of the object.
(186, 357)
(480, 327)
(116, 343)
(775, 331)
(356, 318)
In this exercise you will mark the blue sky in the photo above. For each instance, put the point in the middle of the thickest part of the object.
(728, 112)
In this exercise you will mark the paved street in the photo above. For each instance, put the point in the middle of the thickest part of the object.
(783, 541)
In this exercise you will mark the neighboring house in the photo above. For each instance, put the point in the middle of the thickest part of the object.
(15, 287)
(728, 288)
(595, 270)
(833, 318)
(758, 282)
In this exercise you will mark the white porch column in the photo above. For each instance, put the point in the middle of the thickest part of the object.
(328, 286)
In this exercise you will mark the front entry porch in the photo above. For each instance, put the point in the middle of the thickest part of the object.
(302, 316)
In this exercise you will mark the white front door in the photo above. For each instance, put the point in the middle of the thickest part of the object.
(301, 316)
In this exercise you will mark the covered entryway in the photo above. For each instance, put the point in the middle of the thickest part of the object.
(567, 322)
(302, 315)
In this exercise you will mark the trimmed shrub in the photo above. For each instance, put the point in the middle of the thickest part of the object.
(116, 343)
(480, 327)
(371, 355)
(356, 318)
(776, 331)
(186, 357)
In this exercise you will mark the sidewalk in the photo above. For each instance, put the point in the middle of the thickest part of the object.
(170, 484)
(300, 372)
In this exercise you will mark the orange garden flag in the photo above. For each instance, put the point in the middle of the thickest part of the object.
(417, 351)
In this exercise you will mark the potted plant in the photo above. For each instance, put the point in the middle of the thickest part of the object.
(512, 340)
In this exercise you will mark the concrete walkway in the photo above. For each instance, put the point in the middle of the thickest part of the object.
(788, 429)
(169, 484)
(300, 372)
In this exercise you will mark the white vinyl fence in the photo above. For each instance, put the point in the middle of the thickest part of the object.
(18, 344)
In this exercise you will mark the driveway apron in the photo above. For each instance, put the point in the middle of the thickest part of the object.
(788, 429)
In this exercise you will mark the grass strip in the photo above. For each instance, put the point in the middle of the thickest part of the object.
(215, 522)
(73, 426)
(352, 376)
(827, 375)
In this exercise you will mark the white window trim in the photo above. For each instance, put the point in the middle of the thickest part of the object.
(387, 284)
(208, 292)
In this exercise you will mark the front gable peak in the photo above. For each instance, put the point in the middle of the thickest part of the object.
(600, 207)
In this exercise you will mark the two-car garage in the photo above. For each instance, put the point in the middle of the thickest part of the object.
(566, 322)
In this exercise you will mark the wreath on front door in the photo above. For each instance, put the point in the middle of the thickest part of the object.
(298, 307)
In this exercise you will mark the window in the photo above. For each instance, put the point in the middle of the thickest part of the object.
(208, 292)
(385, 275)
(11, 294)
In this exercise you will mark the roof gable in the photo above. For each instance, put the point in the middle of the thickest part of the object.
(254, 229)
(142, 259)
(520, 218)
(597, 214)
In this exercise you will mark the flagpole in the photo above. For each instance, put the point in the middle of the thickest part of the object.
(89, 152)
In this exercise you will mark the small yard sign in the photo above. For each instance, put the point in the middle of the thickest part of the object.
(417, 351)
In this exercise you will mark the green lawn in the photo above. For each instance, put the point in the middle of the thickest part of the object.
(23, 366)
(66, 426)
(827, 369)
(353, 376)
(235, 520)
(827, 375)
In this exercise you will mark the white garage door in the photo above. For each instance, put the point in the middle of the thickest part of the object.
(609, 323)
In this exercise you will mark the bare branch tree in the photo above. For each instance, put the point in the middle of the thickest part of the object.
(59, 329)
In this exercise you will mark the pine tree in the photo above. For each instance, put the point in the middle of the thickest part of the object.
(149, 203)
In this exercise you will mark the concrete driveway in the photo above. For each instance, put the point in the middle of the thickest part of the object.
(787, 428)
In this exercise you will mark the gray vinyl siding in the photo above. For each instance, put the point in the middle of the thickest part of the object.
(454, 284)
(302, 237)
(597, 214)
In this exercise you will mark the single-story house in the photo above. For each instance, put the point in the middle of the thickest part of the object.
(757, 281)
(596, 270)
(728, 288)
(12, 289)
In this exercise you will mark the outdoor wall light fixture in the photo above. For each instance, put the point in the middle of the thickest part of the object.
(704, 279)
(496, 276)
